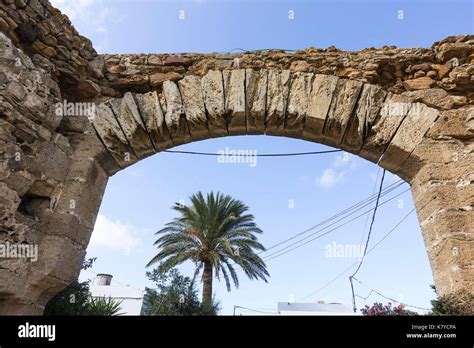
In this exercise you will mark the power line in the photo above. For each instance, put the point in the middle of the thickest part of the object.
(284, 251)
(371, 223)
(355, 263)
(256, 155)
(367, 243)
(386, 297)
(279, 252)
(367, 217)
(354, 208)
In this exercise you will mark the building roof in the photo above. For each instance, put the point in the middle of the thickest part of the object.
(314, 308)
(116, 291)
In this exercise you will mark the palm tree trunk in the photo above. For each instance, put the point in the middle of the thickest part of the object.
(207, 283)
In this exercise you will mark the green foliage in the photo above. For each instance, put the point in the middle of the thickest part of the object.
(378, 309)
(73, 299)
(213, 231)
(441, 306)
(105, 306)
(175, 294)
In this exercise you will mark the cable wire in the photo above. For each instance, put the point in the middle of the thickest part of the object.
(386, 297)
(368, 240)
(256, 155)
(355, 263)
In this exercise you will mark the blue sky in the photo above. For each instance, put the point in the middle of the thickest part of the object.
(286, 195)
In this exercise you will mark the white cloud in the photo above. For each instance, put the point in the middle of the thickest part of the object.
(113, 235)
(91, 18)
(330, 177)
(336, 172)
(73, 8)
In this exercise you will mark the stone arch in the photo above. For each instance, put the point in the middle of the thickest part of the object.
(360, 118)
(410, 111)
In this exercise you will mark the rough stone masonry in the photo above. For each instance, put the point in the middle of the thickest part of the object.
(409, 110)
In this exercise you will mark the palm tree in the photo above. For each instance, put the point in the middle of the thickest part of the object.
(212, 232)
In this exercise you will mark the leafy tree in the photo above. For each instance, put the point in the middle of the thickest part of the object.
(73, 299)
(212, 232)
(441, 306)
(378, 309)
(175, 294)
(105, 306)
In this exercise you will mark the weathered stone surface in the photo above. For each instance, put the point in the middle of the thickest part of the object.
(126, 112)
(278, 88)
(158, 78)
(175, 117)
(192, 95)
(234, 84)
(152, 114)
(419, 83)
(256, 98)
(410, 133)
(319, 103)
(112, 136)
(453, 123)
(436, 97)
(367, 109)
(298, 101)
(213, 91)
(392, 113)
(342, 105)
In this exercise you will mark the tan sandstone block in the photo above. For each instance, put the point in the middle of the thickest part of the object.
(318, 106)
(234, 84)
(152, 114)
(368, 107)
(130, 120)
(256, 95)
(112, 136)
(392, 113)
(175, 117)
(213, 91)
(191, 92)
(298, 101)
(410, 133)
(277, 96)
(340, 112)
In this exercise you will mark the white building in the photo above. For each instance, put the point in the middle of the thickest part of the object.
(131, 297)
(320, 308)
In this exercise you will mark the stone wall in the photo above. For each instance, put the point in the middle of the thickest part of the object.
(409, 110)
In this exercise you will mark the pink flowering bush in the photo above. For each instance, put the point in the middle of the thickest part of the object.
(378, 309)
